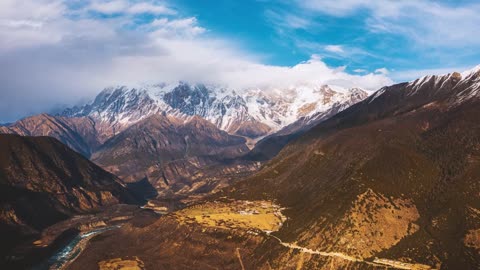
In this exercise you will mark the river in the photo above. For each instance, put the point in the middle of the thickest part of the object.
(72, 250)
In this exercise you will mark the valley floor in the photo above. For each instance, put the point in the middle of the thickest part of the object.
(224, 233)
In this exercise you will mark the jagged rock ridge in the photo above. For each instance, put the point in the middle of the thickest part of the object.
(251, 113)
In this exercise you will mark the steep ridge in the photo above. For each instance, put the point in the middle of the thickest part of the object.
(82, 134)
(269, 146)
(45, 125)
(391, 182)
(176, 156)
(43, 181)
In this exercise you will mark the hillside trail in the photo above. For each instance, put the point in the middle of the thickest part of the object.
(377, 262)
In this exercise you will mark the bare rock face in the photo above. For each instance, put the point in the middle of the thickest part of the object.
(43, 181)
(177, 156)
(252, 129)
(45, 125)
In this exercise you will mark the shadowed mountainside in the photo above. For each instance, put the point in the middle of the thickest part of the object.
(43, 182)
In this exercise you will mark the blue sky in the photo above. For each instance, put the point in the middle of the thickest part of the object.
(55, 53)
(288, 32)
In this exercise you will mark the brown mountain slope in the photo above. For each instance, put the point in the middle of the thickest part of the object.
(43, 181)
(391, 183)
(81, 134)
(394, 177)
(175, 156)
(171, 153)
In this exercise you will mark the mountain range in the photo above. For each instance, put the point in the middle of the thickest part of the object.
(299, 178)
(186, 138)
(251, 113)
(389, 183)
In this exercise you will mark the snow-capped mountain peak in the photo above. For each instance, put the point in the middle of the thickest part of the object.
(470, 72)
(250, 112)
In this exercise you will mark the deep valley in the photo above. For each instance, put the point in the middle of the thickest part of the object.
(390, 182)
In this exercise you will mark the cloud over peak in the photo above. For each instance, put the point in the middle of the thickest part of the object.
(59, 52)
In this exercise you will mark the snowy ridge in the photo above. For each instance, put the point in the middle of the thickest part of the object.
(229, 109)
(377, 94)
(467, 73)
(459, 87)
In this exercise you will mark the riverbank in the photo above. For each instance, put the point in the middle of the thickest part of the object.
(70, 252)
(35, 251)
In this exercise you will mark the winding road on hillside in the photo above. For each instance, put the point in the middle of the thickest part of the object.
(377, 262)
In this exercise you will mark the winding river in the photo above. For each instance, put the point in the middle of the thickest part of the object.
(72, 250)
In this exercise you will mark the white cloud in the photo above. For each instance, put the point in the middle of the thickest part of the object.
(428, 23)
(334, 51)
(22, 22)
(109, 7)
(63, 59)
(127, 7)
(382, 71)
(334, 48)
(335, 7)
(187, 27)
(285, 21)
(209, 62)
(151, 8)
(40, 10)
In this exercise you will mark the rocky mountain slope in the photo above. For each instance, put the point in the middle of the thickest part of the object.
(82, 134)
(270, 145)
(45, 125)
(177, 157)
(389, 183)
(43, 181)
(393, 177)
(251, 113)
